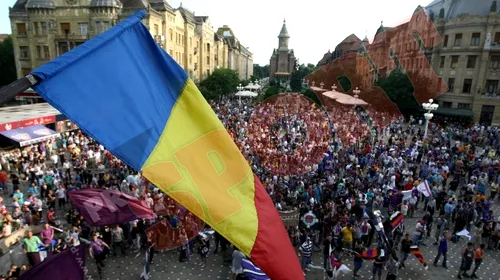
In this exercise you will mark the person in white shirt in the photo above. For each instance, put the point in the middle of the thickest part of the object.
(61, 197)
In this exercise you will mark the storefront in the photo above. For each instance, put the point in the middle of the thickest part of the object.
(30, 135)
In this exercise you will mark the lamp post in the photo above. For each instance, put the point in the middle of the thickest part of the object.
(321, 85)
(356, 93)
(334, 87)
(429, 107)
(239, 88)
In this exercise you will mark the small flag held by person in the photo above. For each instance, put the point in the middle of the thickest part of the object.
(396, 219)
(252, 272)
(424, 188)
(418, 254)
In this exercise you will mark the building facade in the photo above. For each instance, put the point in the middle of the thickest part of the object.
(239, 58)
(45, 29)
(451, 52)
(282, 61)
(468, 58)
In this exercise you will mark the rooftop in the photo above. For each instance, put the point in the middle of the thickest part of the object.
(26, 112)
(454, 8)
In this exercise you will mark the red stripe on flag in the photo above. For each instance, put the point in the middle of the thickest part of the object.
(273, 251)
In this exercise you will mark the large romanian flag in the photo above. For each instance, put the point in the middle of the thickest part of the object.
(126, 92)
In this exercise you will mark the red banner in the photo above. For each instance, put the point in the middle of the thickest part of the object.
(27, 123)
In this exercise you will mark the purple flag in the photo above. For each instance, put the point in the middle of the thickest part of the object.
(67, 265)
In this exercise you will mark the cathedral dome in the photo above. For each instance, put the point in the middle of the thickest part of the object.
(105, 3)
(41, 4)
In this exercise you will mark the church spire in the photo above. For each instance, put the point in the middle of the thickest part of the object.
(284, 31)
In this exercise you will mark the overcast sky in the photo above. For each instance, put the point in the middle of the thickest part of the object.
(314, 25)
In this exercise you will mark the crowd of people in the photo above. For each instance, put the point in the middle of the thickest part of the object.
(306, 161)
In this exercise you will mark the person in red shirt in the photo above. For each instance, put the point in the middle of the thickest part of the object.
(51, 217)
(478, 259)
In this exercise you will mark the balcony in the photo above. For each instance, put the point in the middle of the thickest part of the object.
(72, 37)
(495, 46)
(493, 95)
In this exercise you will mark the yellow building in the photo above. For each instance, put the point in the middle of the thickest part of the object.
(239, 58)
(45, 29)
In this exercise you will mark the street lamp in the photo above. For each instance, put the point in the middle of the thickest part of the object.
(239, 88)
(356, 93)
(334, 87)
(429, 107)
(321, 85)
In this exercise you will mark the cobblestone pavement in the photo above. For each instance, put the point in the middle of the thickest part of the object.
(166, 266)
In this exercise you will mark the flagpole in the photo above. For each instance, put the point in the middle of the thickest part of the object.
(11, 90)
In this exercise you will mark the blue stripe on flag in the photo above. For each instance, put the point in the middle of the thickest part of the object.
(119, 87)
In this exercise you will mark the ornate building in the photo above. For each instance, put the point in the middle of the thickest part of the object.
(238, 58)
(455, 56)
(283, 60)
(45, 29)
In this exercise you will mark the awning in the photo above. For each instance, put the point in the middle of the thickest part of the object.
(30, 135)
(454, 112)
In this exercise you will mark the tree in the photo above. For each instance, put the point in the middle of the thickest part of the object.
(7, 62)
(271, 91)
(299, 73)
(260, 72)
(221, 82)
(399, 89)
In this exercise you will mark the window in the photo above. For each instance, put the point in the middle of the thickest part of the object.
(46, 52)
(445, 42)
(447, 104)
(39, 52)
(24, 52)
(471, 61)
(84, 28)
(45, 28)
(190, 42)
(497, 38)
(474, 41)
(190, 58)
(98, 27)
(65, 28)
(491, 86)
(208, 60)
(171, 34)
(458, 40)
(21, 28)
(495, 62)
(451, 84)
(36, 28)
(464, 106)
(454, 62)
(467, 86)
(105, 25)
(156, 29)
(441, 62)
(171, 52)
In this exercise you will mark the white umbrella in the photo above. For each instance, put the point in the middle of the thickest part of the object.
(349, 100)
(252, 86)
(317, 89)
(335, 94)
(246, 93)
